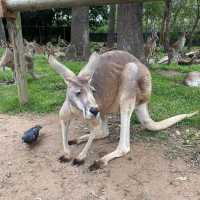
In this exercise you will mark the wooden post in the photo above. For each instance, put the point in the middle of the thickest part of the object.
(31, 5)
(15, 31)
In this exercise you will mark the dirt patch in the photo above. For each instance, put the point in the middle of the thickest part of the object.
(35, 173)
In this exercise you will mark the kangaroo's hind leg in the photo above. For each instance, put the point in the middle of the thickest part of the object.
(127, 101)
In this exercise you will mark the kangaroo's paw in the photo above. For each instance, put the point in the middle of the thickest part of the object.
(98, 164)
(73, 142)
(78, 162)
(64, 159)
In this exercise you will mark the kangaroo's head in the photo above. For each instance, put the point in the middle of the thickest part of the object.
(80, 92)
(155, 36)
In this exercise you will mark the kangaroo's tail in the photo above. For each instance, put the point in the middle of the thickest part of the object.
(145, 119)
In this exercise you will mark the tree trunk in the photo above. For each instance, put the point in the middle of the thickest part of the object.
(15, 29)
(80, 31)
(2, 31)
(129, 29)
(196, 22)
(146, 23)
(166, 25)
(111, 27)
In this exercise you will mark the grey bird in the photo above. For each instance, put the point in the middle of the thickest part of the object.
(31, 135)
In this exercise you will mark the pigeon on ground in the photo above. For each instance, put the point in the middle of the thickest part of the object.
(31, 135)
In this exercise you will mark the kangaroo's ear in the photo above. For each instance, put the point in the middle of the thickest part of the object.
(66, 73)
(90, 67)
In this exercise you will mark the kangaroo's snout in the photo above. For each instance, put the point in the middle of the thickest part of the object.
(94, 111)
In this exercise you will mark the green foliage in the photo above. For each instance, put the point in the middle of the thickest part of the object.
(183, 16)
(102, 29)
(184, 13)
(153, 14)
(98, 17)
(62, 17)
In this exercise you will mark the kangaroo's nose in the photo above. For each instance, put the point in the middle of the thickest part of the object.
(94, 111)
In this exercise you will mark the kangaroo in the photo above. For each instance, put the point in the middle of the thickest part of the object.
(34, 47)
(7, 60)
(176, 48)
(150, 46)
(193, 79)
(180, 43)
(115, 81)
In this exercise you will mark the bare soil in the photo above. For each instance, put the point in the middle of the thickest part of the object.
(34, 173)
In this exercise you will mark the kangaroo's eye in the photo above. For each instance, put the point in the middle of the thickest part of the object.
(78, 94)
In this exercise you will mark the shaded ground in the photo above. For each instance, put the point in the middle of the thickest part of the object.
(146, 173)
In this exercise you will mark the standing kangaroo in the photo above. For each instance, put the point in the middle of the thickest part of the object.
(113, 82)
(7, 60)
(180, 43)
(150, 46)
(176, 48)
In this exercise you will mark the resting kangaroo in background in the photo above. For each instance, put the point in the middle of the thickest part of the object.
(111, 82)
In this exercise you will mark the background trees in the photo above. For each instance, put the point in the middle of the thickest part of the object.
(195, 23)
(132, 23)
(184, 16)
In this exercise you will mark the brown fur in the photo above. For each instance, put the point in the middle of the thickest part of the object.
(7, 60)
(180, 43)
(107, 79)
(150, 46)
(193, 79)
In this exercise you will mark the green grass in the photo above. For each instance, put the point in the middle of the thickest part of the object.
(171, 96)
(47, 94)
(176, 67)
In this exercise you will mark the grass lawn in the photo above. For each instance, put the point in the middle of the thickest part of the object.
(47, 94)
